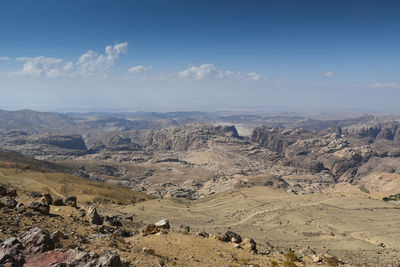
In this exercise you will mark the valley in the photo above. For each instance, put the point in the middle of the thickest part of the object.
(315, 191)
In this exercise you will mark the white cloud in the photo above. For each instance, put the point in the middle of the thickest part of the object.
(253, 76)
(139, 69)
(41, 67)
(385, 85)
(329, 74)
(4, 58)
(210, 71)
(90, 63)
(200, 72)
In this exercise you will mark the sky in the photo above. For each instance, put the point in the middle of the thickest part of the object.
(189, 55)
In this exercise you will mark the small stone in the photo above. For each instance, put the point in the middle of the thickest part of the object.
(47, 199)
(58, 202)
(315, 258)
(148, 251)
(249, 244)
(331, 260)
(162, 224)
(36, 194)
(150, 229)
(39, 207)
(71, 201)
(57, 236)
(230, 236)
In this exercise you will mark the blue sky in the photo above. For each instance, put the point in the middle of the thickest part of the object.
(191, 54)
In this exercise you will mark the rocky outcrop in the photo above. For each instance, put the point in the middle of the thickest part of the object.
(277, 139)
(386, 131)
(36, 248)
(74, 142)
(94, 216)
(190, 137)
(115, 143)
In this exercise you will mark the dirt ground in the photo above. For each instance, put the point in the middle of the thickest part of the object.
(357, 229)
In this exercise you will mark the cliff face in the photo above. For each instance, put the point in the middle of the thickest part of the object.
(190, 137)
(75, 142)
(387, 131)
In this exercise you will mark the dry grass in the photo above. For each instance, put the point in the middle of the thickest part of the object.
(62, 185)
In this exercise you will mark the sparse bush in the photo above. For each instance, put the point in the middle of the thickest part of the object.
(392, 198)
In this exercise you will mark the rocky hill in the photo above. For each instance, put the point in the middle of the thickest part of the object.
(190, 137)
(36, 122)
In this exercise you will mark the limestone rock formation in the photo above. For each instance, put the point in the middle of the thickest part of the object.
(190, 137)
(94, 216)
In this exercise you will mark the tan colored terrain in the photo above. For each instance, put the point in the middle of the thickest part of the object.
(172, 248)
(355, 228)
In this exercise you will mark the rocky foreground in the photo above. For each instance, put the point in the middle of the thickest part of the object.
(43, 230)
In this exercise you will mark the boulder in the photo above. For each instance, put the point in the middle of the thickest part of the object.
(249, 244)
(114, 221)
(162, 224)
(150, 229)
(36, 194)
(8, 202)
(36, 248)
(36, 240)
(73, 257)
(110, 259)
(203, 234)
(58, 202)
(10, 251)
(230, 236)
(12, 193)
(94, 216)
(39, 207)
(47, 199)
(71, 201)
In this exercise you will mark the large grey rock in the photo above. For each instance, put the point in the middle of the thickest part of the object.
(94, 216)
(231, 236)
(39, 207)
(8, 202)
(36, 240)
